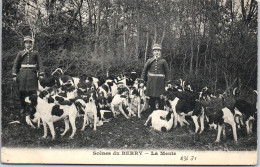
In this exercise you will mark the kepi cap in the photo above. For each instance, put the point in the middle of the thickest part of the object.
(157, 47)
(27, 38)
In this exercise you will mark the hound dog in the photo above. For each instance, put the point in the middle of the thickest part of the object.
(137, 101)
(218, 118)
(50, 113)
(35, 116)
(141, 90)
(134, 103)
(103, 109)
(84, 80)
(119, 101)
(63, 81)
(88, 105)
(106, 88)
(182, 108)
(46, 82)
(245, 114)
(161, 120)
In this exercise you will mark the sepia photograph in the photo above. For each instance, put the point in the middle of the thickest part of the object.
(129, 82)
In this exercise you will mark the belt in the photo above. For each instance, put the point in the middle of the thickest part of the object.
(156, 75)
(28, 65)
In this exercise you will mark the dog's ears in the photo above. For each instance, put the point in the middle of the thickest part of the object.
(66, 102)
(59, 99)
(170, 95)
(110, 83)
(123, 96)
(50, 100)
(135, 92)
(168, 116)
(109, 99)
(63, 94)
(86, 99)
(168, 104)
(78, 103)
(90, 79)
(43, 94)
(72, 100)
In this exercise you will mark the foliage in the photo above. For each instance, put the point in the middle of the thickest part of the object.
(206, 42)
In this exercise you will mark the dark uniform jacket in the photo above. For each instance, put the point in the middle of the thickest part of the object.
(156, 74)
(27, 76)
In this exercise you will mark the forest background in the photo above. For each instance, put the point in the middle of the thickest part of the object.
(205, 42)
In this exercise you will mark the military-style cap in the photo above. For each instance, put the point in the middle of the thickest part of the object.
(27, 38)
(157, 47)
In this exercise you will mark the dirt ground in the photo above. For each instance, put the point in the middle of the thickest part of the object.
(120, 133)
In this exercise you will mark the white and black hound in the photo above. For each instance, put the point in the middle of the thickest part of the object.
(161, 120)
(189, 107)
(50, 113)
(88, 105)
(218, 118)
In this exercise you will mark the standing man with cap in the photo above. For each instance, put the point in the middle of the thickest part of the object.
(24, 72)
(156, 74)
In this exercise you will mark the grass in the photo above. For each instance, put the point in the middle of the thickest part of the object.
(119, 133)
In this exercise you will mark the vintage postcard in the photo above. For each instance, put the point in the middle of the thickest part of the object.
(129, 82)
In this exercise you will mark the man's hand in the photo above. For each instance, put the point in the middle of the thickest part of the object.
(14, 79)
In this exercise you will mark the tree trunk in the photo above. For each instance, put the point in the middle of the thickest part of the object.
(97, 31)
(191, 57)
(163, 35)
(138, 35)
(147, 43)
(89, 17)
(124, 41)
(155, 35)
(197, 59)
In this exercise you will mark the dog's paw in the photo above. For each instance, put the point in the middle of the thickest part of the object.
(33, 126)
(145, 124)
(217, 141)
(71, 137)
(29, 122)
(100, 123)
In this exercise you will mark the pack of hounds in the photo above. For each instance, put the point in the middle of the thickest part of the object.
(62, 97)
